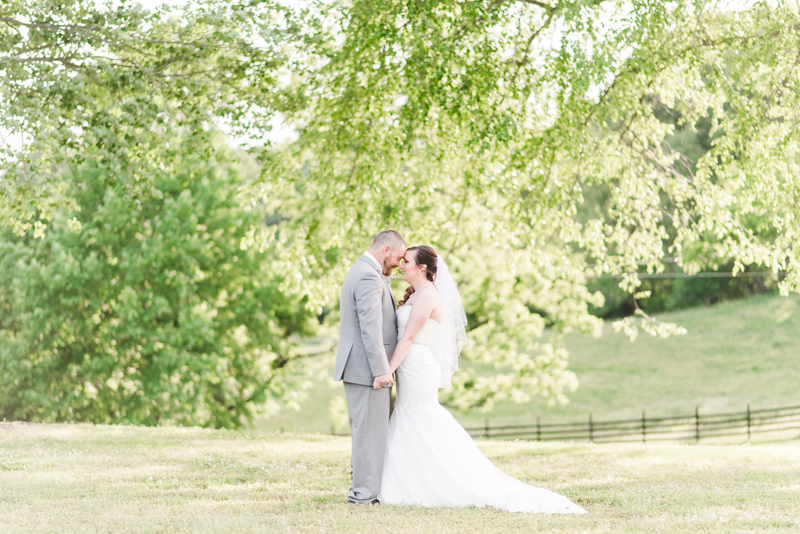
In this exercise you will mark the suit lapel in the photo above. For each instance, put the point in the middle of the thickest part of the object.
(372, 265)
(375, 268)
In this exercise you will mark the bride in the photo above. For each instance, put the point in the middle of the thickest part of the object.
(430, 459)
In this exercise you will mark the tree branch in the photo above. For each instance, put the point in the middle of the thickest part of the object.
(546, 7)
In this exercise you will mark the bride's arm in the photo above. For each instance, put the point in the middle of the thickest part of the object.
(420, 312)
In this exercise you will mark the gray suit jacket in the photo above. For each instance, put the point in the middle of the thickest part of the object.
(368, 325)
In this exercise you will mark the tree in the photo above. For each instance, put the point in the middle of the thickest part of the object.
(148, 311)
(480, 126)
(121, 86)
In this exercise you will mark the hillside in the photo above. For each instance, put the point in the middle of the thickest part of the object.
(735, 353)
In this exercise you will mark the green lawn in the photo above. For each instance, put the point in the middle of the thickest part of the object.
(84, 478)
(735, 353)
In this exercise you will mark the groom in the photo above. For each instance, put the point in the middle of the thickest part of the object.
(367, 337)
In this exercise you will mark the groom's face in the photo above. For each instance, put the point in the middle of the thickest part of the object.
(392, 260)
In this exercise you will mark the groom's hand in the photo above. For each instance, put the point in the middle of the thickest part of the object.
(382, 380)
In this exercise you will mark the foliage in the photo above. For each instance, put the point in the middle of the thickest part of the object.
(678, 291)
(479, 127)
(146, 312)
(117, 85)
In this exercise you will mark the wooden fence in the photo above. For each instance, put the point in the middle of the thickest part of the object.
(677, 428)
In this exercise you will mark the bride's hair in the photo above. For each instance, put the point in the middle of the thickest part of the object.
(423, 255)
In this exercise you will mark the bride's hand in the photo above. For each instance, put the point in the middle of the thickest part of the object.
(382, 380)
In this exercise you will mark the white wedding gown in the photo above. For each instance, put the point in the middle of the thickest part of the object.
(430, 458)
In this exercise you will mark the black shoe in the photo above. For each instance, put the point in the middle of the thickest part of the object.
(376, 501)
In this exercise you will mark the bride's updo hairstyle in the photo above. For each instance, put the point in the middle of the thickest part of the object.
(423, 255)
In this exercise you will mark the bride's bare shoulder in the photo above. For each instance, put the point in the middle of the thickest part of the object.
(431, 296)
(426, 303)
(428, 297)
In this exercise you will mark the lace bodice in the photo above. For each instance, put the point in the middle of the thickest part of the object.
(425, 336)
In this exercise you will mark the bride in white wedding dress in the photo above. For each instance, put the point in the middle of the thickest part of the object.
(430, 459)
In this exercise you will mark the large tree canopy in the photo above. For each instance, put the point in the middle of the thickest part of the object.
(527, 106)
(481, 127)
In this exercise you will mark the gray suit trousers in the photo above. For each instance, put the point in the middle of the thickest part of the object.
(368, 410)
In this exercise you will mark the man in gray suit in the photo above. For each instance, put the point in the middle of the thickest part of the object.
(367, 338)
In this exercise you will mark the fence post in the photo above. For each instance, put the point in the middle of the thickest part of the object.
(644, 429)
(697, 424)
(748, 422)
(538, 428)
(591, 428)
(486, 428)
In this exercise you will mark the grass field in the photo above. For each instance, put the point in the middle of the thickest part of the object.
(87, 479)
(735, 353)
(84, 478)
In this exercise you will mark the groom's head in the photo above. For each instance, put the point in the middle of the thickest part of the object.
(388, 247)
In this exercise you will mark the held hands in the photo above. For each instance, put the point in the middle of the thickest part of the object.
(382, 381)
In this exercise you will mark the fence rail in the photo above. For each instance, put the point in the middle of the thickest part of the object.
(691, 427)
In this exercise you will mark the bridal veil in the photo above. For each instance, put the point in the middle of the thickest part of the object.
(452, 334)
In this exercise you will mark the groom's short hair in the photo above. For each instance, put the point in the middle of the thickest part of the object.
(389, 237)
